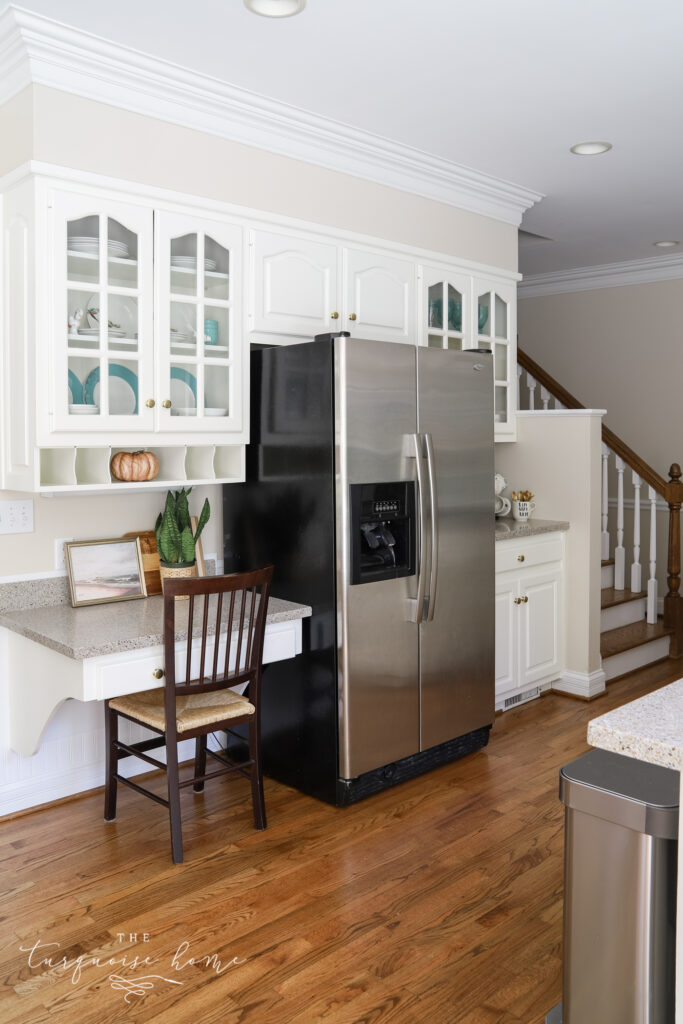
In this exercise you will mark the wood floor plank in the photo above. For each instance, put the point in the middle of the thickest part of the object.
(439, 900)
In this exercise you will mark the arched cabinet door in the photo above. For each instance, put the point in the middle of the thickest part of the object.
(101, 353)
(293, 285)
(379, 296)
(495, 328)
(445, 309)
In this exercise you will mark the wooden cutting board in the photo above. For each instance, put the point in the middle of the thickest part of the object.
(150, 559)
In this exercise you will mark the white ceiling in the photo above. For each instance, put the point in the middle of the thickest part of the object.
(503, 88)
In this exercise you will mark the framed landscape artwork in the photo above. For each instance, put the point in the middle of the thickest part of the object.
(100, 571)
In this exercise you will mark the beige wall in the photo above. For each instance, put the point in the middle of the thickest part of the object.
(557, 457)
(619, 349)
(55, 127)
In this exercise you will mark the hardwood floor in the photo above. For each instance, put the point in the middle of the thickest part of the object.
(439, 900)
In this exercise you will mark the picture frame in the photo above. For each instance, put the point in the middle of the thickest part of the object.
(104, 571)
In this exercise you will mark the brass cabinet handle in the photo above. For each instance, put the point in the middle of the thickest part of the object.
(352, 316)
(166, 404)
(334, 316)
(150, 403)
(158, 673)
(520, 558)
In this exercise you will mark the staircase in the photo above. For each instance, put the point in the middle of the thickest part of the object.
(627, 640)
(633, 632)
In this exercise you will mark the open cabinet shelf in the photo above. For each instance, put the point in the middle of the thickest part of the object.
(86, 468)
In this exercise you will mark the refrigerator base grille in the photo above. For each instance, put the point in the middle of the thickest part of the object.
(351, 790)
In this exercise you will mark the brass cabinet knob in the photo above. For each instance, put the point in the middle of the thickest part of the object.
(520, 558)
(150, 403)
(334, 316)
(166, 403)
(518, 600)
(524, 600)
(352, 316)
(158, 673)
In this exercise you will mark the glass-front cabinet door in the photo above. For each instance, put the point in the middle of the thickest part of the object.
(445, 309)
(197, 316)
(494, 321)
(102, 372)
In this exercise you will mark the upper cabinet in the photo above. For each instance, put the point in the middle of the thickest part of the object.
(301, 286)
(124, 331)
(461, 311)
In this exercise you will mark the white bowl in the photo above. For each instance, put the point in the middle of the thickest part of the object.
(84, 410)
(215, 412)
(180, 410)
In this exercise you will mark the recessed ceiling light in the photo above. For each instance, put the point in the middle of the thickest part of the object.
(665, 245)
(275, 8)
(590, 148)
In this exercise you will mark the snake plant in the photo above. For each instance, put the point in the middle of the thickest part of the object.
(175, 540)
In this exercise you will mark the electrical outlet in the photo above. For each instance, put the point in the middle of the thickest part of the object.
(16, 516)
(60, 559)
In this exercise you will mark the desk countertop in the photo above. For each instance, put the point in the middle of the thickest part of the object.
(95, 630)
(649, 729)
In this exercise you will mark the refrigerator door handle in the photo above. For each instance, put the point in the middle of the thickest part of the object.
(433, 499)
(419, 464)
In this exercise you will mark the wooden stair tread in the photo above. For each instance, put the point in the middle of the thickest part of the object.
(615, 641)
(607, 561)
(611, 597)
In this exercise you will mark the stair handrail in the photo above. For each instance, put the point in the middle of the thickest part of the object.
(671, 490)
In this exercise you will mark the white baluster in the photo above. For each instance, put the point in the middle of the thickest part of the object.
(636, 572)
(619, 553)
(531, 384)
(604, 536)
(545, 397)
(519, 386)
(652, 582)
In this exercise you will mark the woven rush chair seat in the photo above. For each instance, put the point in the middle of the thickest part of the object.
(191, 712)
(216, 648)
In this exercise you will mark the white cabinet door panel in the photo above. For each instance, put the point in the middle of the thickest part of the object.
(539, 635)
(294, 285)
(506, 637)
(379, 296)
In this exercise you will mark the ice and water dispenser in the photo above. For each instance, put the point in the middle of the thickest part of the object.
(382, 531)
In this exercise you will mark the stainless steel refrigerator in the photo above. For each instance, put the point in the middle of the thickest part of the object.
(369, 478)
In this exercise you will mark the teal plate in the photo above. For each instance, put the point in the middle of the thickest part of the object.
(115, 370)
(76, 389)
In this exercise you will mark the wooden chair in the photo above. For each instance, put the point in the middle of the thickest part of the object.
(197, 698)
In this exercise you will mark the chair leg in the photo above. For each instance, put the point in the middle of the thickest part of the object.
(199, 762)
(111, 734)
(174, 800)
(257, 796)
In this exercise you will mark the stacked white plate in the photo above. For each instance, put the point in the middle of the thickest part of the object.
(190, 263)
(91, 246)
(94, 332)
(178, 336)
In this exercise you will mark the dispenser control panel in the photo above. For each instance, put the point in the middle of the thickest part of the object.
(382, 531)
(386, 507)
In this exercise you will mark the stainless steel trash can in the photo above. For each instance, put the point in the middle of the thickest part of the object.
(621, 853)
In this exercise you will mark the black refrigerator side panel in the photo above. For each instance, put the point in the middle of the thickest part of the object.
(284, 514)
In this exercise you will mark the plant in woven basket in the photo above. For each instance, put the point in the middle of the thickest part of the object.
(176, 542)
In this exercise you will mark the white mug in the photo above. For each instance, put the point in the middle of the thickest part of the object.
(502, 505)
(522, 509)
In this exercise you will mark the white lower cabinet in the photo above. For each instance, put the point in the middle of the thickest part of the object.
(529, 615)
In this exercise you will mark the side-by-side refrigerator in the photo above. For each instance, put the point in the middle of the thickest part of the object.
(369, 487)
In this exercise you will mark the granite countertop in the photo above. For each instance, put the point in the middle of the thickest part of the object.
(99, 629)
(508, 528)
(649, 729)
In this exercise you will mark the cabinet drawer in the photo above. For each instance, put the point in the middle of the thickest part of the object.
(510, 555)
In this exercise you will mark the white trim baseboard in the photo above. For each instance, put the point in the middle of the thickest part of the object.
(36, 49)
(606, 275)
(580, 684)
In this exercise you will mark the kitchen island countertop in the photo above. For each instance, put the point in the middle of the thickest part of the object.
(509, 529)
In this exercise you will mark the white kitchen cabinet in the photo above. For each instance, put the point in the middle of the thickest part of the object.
(529, 615)
(123, 330)
(301, 286)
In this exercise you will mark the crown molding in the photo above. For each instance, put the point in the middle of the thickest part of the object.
(606, 275)
(35, 49)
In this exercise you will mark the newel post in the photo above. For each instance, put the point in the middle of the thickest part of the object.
(673, 602)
